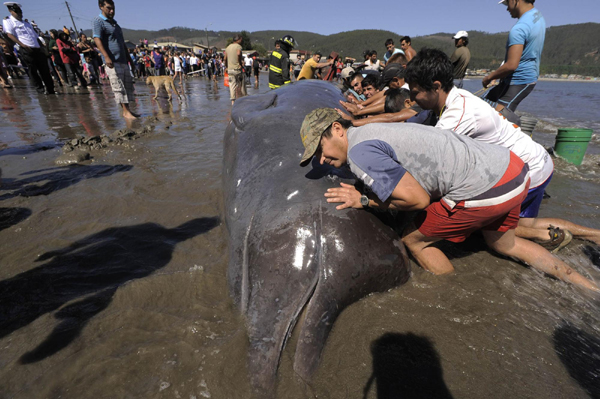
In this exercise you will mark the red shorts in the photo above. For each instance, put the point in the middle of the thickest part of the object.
(497, 209)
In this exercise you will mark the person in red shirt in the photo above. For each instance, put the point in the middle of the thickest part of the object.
(70, 57)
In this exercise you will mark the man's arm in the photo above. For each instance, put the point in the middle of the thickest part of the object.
(407, 196)
(100, 47)
(380, 94)
(366, 108)
(394, 117)
(454, 58)
(285, 70)
(512, 62)
(323, 64)
(15, 40)
(96, 32)
(240, 60)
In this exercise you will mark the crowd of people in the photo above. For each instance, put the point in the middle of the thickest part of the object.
(419, 142)
(63, 58)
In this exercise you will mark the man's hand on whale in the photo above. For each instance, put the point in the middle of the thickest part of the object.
(348, 195)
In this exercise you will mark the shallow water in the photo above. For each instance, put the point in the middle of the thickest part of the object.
(113, 276)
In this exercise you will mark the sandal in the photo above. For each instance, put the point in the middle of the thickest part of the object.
(559, 238)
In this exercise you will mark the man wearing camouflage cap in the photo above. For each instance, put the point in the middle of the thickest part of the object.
(460, 186)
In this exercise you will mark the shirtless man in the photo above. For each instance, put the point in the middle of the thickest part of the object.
(406, 45)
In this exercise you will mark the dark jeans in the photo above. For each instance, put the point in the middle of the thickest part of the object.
(95, 69)
(60, 68)
(75, 70)
(37, 67)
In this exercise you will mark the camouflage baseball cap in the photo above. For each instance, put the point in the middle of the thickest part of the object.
(315, 123)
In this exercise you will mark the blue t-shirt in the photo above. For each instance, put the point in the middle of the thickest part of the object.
(388, 55)
(111, 35)
(529, 31)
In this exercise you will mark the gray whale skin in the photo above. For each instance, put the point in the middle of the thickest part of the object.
(289, 250)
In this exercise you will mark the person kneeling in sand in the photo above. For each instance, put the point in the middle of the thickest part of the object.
(162, 81)
(460, 185)
(430, 77)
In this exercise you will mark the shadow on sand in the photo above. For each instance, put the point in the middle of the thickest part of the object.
(11, 216)
(579, 351)
(56, 179)
(90, 270)
(406, 366)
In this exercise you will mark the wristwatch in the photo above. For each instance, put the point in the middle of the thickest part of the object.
(364, 201)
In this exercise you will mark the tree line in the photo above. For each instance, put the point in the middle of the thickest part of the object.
(568, 49)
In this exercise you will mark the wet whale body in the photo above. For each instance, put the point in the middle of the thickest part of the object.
(289, 250)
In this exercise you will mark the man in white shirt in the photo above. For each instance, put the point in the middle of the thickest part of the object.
(193, 63)
(22, 33)
(373, 63)
(430, 77)
(248, 68)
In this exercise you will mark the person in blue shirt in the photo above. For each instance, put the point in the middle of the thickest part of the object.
(521, 67)
(108, 37)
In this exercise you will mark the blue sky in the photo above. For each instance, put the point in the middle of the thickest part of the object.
(414, 18)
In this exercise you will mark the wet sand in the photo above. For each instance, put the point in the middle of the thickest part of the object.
(113, 284)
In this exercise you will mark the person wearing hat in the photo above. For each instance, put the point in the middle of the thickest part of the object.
(30, 47)
(521, 68)
(460, 57)
(279, 63)
(458, 184)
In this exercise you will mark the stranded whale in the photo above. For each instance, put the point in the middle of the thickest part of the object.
(289, 250)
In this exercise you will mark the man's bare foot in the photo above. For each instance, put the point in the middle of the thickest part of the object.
(130, 115)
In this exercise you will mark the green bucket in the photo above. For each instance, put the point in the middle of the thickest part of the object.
(571, 144)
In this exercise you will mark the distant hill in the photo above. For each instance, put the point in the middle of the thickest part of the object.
(570, 49)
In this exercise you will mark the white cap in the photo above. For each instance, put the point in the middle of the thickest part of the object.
(503, 2)
(347, 72)
(461, 33)
(12, 3)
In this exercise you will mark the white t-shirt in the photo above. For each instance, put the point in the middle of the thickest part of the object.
(248, 61)
(371, 65)
(22, 31)
(469, 115)
(193, 60)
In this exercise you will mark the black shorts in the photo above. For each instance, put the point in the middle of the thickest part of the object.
(256, 71)
(510, 95)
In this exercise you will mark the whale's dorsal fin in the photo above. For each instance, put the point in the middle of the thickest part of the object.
(247, 108)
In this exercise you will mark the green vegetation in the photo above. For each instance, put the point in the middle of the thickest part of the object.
(569, 49)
